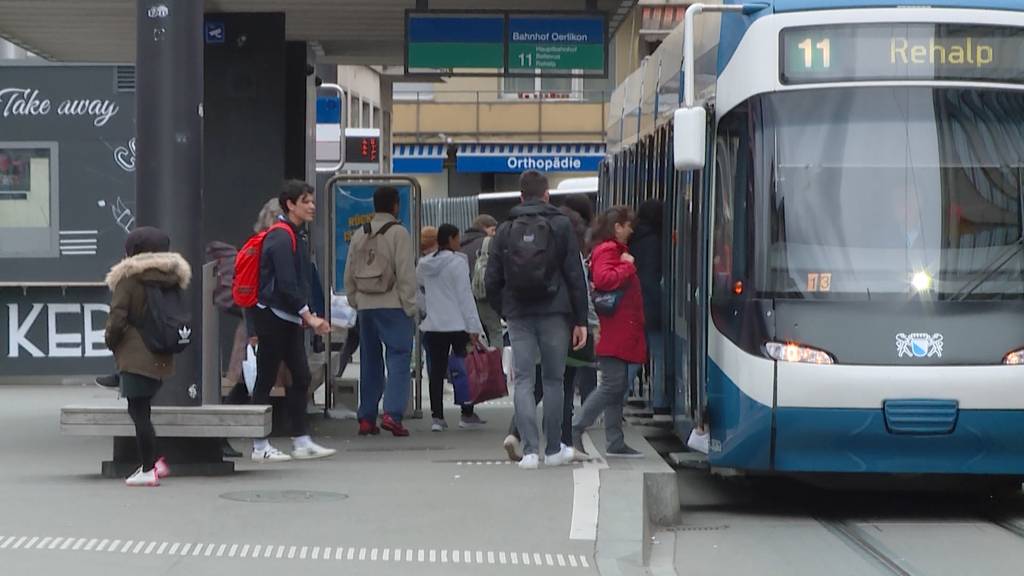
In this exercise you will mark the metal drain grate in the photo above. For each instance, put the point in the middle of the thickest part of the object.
(283, 496)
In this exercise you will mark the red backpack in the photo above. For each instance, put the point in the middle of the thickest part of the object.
(246, 287)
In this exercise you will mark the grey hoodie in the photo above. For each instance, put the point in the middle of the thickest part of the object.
(444, 294)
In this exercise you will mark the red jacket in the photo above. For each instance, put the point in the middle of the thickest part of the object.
(622, 333)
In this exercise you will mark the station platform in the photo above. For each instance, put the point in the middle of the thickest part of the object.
(432, 503)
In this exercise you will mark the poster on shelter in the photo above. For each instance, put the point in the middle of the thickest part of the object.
(353, 207)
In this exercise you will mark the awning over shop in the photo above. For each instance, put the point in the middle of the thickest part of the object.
(514, 158)
(418, 158)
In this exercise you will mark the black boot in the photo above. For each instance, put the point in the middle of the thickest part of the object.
(109, 381)
(228, 450)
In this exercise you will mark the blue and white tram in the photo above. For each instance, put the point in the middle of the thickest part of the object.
(845, 262)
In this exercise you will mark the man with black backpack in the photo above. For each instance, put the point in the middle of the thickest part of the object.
(380, 282)
(535, 281)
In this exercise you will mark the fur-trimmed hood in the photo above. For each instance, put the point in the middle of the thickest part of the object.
(159, 267)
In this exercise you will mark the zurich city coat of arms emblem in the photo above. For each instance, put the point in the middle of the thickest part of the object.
(918, 345)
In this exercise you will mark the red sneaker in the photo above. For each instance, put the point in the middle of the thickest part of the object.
(391, 425)
(368, 427)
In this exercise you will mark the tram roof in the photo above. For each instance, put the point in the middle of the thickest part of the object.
(805, 5)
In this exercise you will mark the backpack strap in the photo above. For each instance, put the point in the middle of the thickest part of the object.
(286, 227)
(385, 228)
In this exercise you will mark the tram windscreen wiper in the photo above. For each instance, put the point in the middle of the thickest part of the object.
(986, 273)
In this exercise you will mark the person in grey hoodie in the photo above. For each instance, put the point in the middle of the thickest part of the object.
(451, 323)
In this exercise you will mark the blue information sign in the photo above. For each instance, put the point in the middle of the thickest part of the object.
(353, 207)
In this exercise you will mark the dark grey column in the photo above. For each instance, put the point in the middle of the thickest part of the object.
(169, 139)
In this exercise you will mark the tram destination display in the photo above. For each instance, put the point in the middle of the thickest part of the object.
(866, 52)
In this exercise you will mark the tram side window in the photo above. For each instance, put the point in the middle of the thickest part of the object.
(734, 183)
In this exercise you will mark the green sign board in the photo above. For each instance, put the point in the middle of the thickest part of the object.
(494, 43)
(549, 43)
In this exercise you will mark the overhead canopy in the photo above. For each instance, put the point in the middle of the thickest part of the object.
(347, 31)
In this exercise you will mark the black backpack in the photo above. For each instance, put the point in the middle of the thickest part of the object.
(166, 326)
(531, 263)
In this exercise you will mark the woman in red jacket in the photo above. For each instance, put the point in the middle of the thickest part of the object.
(622, 342)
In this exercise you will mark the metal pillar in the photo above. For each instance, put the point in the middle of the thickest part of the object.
(169, 137)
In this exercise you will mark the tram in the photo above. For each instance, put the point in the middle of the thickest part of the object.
(844, 257)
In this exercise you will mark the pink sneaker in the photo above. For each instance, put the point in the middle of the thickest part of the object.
(161, 467)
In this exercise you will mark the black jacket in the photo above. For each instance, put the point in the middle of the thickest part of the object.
(472, 240)
(571, 298)
(645, 246)
(284, 273)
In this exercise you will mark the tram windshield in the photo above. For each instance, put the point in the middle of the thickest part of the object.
(893, 191)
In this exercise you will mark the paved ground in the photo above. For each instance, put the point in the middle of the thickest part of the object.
(433, 503)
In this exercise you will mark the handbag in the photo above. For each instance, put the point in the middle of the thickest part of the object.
(459, 378)
(486, 377)
(249, 368)
(606, 303)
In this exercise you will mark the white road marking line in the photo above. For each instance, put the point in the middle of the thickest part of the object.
(297, 552)
(586, 496)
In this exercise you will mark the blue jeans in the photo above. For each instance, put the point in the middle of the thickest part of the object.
(391, 329)
(547, 337)
(656, 355)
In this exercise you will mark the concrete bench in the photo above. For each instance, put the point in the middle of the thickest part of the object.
(189, 436)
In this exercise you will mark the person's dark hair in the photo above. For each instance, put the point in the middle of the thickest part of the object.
(581, 204)
(533, 185)
(146, 239)
(579, 227)
(385, 199)
(651, 212)
(604, 225)
(445, 233)
(292, 190)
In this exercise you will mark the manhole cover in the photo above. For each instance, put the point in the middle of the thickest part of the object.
(283, 496)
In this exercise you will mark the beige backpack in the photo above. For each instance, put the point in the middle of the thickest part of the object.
(373, 272)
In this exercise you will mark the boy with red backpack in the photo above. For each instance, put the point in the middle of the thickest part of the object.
(272, 273)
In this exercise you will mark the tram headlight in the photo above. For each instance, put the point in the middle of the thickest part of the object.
(791, 352)
(1015, 358)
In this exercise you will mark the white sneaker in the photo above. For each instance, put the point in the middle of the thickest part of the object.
(529, 462)
(438, 425)
(140, 478)
(269, 454)
(560, 458)
(312, 451)
(512, 448)
(698, 441)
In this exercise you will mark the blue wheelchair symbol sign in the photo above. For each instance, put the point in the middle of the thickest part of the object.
(215, 32)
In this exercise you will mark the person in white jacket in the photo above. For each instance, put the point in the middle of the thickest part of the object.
(451, 321)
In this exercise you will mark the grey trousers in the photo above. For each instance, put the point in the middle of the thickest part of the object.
(608, 398)
(548, 336)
